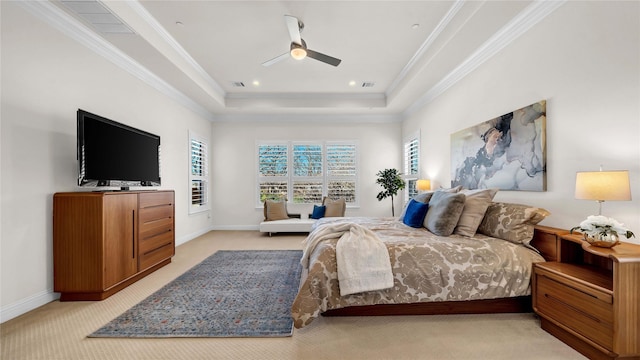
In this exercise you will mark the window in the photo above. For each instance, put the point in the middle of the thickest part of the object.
(198, 174)
(411, 165)
(304, 172)
(307, 173)
(341, 171)
(273, 165)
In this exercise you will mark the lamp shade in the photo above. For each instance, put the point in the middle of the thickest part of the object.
(423, 184)
(603, 185)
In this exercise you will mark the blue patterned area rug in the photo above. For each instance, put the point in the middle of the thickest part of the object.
(229, 294)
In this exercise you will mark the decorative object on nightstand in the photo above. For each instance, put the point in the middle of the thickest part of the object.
(602, 231)
(603, 186)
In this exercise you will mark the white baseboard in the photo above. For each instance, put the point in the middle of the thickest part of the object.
(25, 305)
(236, 227)
(189, 237)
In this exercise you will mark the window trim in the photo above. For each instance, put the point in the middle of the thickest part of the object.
(206, 206)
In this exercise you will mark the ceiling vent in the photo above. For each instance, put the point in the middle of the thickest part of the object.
(237, 84)
(98, 16)
(368, 84)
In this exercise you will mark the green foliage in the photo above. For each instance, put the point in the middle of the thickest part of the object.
(392, 182)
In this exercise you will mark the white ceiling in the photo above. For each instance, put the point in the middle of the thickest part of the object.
(410, 50)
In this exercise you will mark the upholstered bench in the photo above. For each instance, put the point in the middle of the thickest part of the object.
(277, 218)
(287, 225)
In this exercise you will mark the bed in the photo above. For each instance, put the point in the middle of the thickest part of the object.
(432, 274)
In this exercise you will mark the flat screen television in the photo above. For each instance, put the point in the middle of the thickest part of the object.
(113, 154)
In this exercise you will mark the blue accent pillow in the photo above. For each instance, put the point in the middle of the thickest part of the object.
(318, 211)
(416, 211)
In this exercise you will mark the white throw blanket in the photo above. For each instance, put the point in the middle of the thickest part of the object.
(362, 258)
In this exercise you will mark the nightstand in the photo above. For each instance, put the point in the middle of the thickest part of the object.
(590, 298)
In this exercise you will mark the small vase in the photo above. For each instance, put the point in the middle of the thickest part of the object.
(606, 240)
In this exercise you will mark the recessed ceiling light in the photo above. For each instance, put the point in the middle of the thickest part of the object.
(256, 83)
(179, 23)
(415, 26)
(352, 83)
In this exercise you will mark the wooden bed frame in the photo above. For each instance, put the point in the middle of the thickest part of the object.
(545, 239)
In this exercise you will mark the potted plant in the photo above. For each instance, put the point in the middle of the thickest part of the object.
(392, 182)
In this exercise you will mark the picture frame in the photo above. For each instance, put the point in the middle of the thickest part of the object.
(507, 152)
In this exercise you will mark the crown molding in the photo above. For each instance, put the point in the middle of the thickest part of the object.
(71, 27)
(451, 13)
(204, 79)
(306, 100)
(330, 118)
(519, 25)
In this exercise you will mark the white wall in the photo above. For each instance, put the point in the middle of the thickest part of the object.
(234, 163)
(46, 77)
(584, 59)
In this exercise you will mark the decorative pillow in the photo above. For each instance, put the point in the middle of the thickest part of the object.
(444, 212)
(275, 210)
(318, 211)
(475, 206)
(511, 222)
(426, 196)
(415, 214)
(422, 197)
(334, 208)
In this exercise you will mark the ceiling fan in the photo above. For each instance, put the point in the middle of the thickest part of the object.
(298, 49)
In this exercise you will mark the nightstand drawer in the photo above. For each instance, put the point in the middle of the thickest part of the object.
(585, 310)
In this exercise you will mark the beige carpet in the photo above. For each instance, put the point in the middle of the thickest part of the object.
(58, 330)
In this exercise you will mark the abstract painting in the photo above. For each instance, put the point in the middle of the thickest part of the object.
(506, 152)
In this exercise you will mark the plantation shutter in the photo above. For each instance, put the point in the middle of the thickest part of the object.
(342, 171)
(199, 173)
(307, 173)
(304, 172)
(273, 171)
(411, 166)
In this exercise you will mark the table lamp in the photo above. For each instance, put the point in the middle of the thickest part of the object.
(603, 186)
(423, 184)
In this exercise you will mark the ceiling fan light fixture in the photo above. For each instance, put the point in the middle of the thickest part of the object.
(298, 53)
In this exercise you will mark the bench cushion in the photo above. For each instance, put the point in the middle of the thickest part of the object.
(288, 225)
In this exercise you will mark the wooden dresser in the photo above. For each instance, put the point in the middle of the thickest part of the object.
(590, 298)
(105, 241)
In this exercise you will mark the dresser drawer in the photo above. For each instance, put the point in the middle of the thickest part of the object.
(149, 244)
(155, 198)
(156, 212)
(155, 256)
(155, 217)
(585, 310)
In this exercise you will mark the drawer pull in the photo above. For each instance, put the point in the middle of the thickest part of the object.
(585, 314)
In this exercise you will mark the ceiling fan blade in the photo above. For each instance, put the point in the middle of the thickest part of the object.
(322, 57)
(294, 28)
(276, 59)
